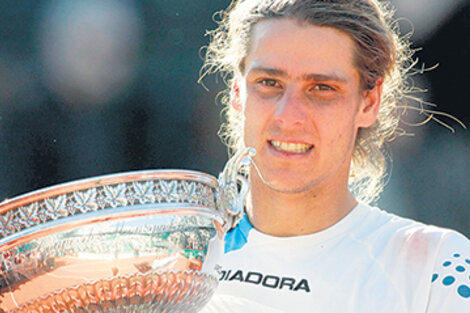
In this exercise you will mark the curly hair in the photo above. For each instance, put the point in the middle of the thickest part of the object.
(381, 56)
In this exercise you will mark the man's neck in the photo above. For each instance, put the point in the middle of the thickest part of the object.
(292, 214)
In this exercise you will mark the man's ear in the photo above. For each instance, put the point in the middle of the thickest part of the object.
(235, 98)
(370, 104)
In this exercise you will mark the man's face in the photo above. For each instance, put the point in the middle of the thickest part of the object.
(302, 102)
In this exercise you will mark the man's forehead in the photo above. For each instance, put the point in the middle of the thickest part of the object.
(264, 27)
(285, 47)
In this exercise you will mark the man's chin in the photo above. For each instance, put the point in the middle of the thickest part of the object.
(286, 186)
(281, 181)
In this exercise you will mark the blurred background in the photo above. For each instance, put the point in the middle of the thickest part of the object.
(92, 87)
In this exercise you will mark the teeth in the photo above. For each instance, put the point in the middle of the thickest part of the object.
(291, 147)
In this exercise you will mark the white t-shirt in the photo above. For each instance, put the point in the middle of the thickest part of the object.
(369, 262)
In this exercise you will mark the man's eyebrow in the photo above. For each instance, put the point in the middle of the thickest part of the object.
(308, 77)
(269, 71)
(325, 77)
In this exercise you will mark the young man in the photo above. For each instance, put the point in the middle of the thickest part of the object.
(314, 89)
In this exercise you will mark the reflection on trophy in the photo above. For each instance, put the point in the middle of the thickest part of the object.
(135, 242)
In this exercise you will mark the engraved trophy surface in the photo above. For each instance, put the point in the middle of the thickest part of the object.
(144, 241)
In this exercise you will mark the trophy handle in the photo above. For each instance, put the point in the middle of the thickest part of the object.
(233, 187)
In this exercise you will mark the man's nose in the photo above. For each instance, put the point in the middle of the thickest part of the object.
(290, 110)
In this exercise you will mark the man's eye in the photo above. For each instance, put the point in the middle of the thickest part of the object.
(269, 82)
(323, 87)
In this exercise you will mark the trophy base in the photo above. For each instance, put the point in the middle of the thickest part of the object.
(159, 292)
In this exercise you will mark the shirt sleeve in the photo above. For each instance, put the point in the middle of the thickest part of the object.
(450, 281)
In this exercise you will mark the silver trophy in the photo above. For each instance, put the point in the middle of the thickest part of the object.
(144, 241)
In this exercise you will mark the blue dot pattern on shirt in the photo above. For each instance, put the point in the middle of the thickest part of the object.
(448, 280)
(463, 290)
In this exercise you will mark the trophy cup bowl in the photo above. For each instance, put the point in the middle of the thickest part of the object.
(145, 241)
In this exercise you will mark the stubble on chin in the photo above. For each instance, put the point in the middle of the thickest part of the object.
(260, 181)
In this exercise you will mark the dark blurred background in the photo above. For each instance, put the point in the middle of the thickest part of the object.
(91, 87)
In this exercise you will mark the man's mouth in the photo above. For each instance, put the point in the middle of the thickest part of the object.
(290, 147)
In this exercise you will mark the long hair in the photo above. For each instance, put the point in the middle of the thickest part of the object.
(381, 56)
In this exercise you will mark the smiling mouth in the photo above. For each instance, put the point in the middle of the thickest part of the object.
(290, 147)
